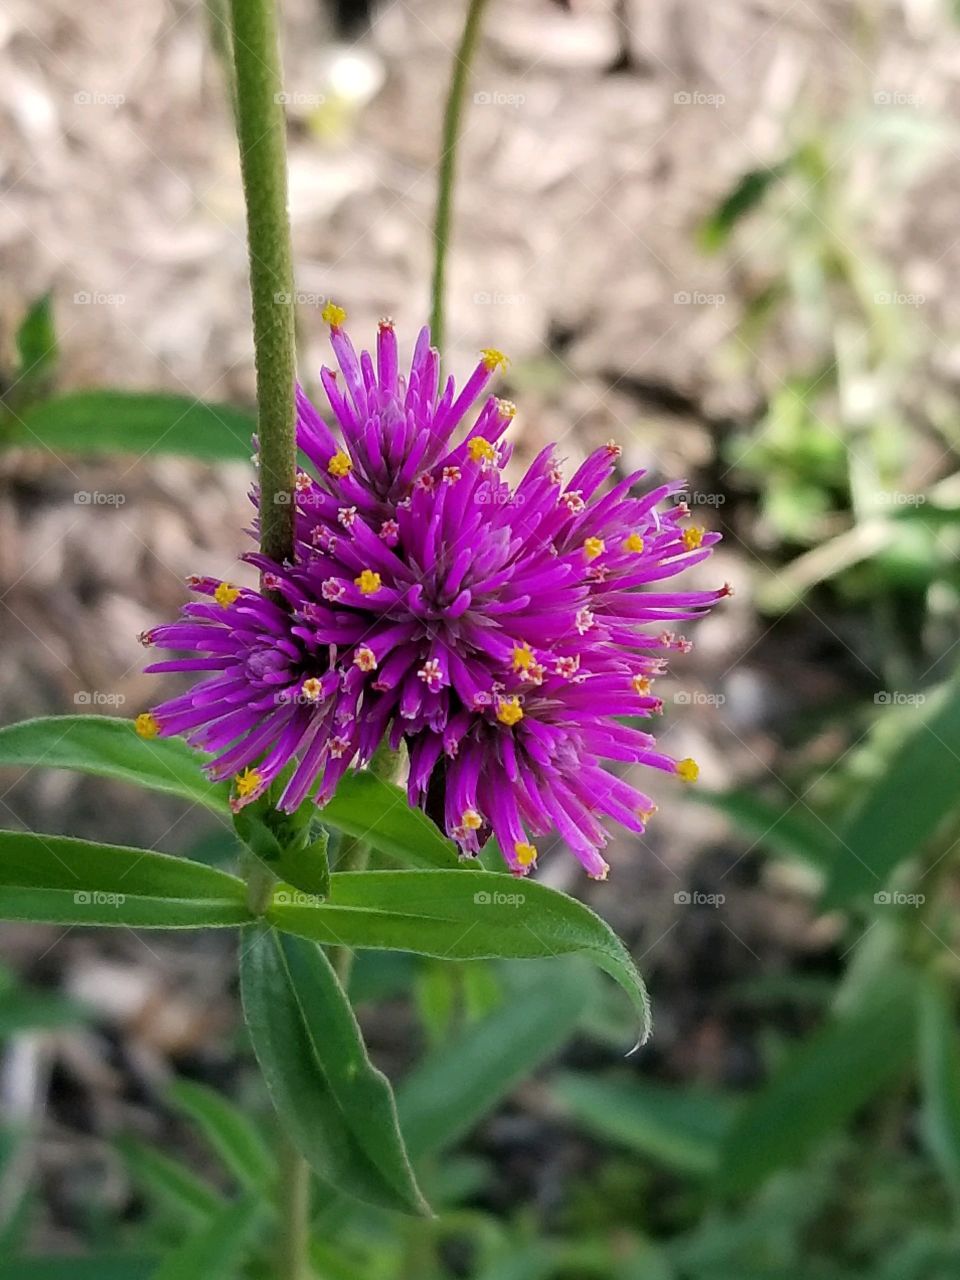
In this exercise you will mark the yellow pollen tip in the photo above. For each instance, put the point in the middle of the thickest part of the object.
(641, 685)
(225, 594)
(493, 359)
(247, 782)
(471, 820)
(688, 770)
(692, 537)
(594, 547)
(333, 315)
(368, 582)
(526, 854)
(506, 409)
(311, 688)
(510, 711)
(340, 464)
(522, 658)
(147, 725)
(646, 814)
(633, 543)
(481, 450)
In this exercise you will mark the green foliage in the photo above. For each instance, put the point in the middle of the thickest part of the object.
(337, 1107)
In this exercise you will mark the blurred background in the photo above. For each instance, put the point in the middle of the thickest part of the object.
(726, 236)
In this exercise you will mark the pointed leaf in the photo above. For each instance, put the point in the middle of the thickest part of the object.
(218, 1248)
(170, 1180)
(59, 880)
(336, 1106)
(459, 916)
(110, 748)
(820, 1086)
(940, 1078)
(369, 808)
(462, 1080)
(904, 806)
(231, 1134)
(140, 422)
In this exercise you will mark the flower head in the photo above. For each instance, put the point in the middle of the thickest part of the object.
(501, 632)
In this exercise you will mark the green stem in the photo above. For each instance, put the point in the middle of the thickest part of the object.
(355, 852)
(448, 160)
(293, 1243)
(261, 131)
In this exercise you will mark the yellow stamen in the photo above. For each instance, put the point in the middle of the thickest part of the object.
(333, 315)
(311, 688)
(646, 814)
(225, 594)
(641, 685)
(368, 582)
(523, 657)
(147, 725)
(471, 820)
(506, 409)
(340, 464)
(247, 782)
(494, 359)
(481, 450)
(526, 853)
(633, 543)
(594, 547)
(692, 537)
(688, 770)
(509, 712)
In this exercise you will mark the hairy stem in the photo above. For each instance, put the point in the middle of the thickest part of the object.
(448, 160)
(263, 163)
(294, 1238)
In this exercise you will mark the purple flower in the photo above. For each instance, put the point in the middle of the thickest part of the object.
(502, 632)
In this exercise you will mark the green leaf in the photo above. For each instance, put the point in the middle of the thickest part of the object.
(139, 422)
(904, 806)
(460, 916)
(336, 1106)
(217, 1250)
(37, 342)
(104, 1266)
(364, 805)
(234, 1138)
(940, 1078)
(820, 1086)
(459, 1082)
(747, 193)
(111, 748)
(370, 809)
(170, 1181)
(58, 880)
(786, 828)
(680, 1128)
